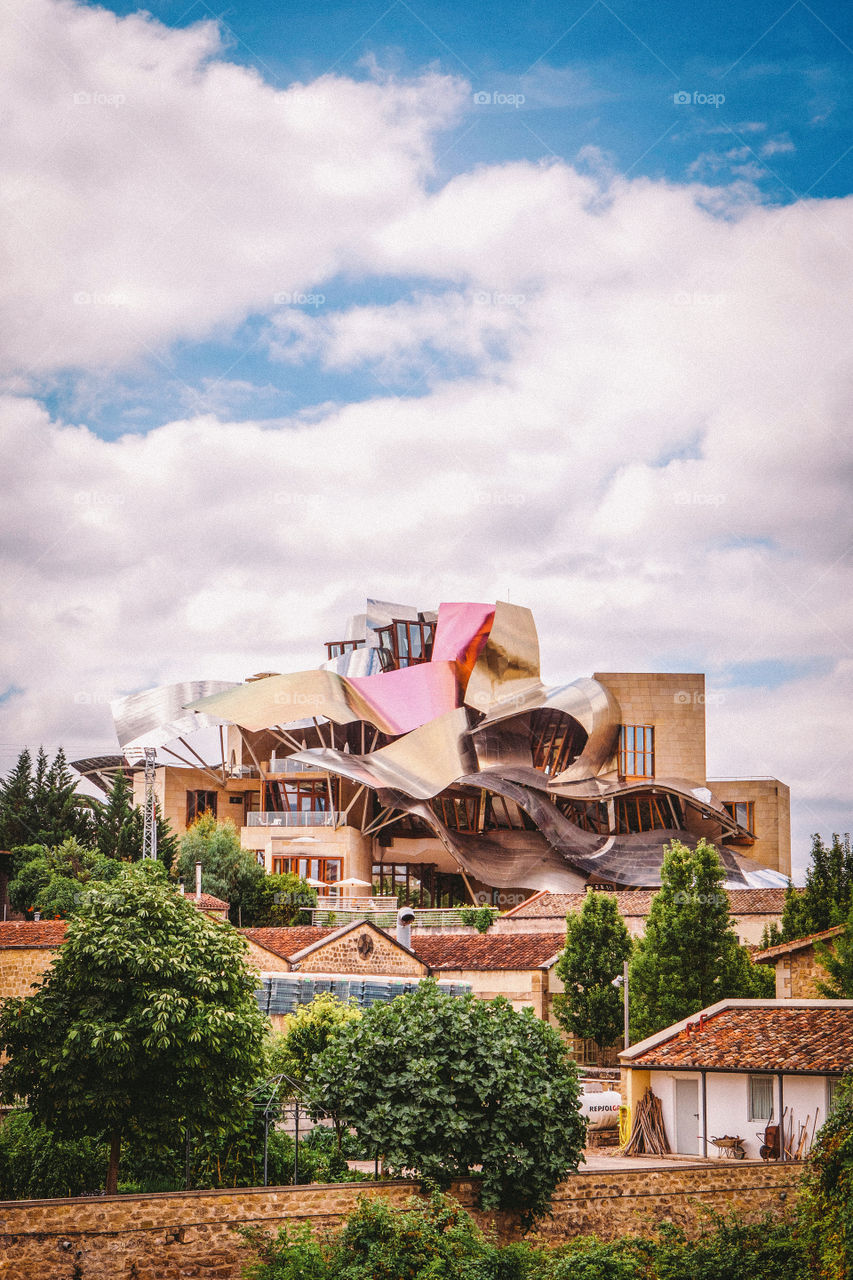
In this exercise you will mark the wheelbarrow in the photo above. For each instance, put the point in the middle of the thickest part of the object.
(730, 1146)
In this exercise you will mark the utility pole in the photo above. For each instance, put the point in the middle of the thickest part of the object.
(149, 829)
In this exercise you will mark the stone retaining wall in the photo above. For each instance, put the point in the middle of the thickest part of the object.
(190, 1236)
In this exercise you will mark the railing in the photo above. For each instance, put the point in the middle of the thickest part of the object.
(284, 764)
(354, 902)
(307, 818)
(386, 918)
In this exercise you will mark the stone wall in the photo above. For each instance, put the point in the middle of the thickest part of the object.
(361, 952)
(21, 967)
(190, 1236)
(798, 973)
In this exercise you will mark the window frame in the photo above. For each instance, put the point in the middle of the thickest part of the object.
(193, 811)
(635, 755)
(751, 1081)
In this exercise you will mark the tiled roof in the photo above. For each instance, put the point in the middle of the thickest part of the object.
(439, 951)
(769, 954)
(488, 951)
(637, 902)
(31, 933)
(286, 942)
(785, 1036)
(207, 902)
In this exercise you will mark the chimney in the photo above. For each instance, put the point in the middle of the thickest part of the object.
(405, 919)
(198, 882)
(181, 888)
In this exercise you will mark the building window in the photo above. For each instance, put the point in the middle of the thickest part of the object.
(637, 751)
(326, 869)
(743, 812)
(199, 802)
(409, 643)
(760, 1097)
(832, 1084)
(337, 648)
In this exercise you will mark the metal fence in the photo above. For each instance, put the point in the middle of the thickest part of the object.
(284, 993)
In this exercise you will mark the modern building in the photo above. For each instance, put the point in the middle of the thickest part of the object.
(426, 754)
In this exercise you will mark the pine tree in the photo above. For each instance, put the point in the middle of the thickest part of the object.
(690, 956)
(16, 804)
(121, 825)
(597, 946)
(828, 895)
(838, 964)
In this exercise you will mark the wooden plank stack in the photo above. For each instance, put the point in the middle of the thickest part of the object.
(648, 1135)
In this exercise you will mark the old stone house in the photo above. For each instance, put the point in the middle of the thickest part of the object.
(797, 967)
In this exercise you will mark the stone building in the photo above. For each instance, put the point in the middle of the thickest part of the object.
(796, 965)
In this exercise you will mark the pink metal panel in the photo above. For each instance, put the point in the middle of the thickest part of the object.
(460, 634)
(410, 697)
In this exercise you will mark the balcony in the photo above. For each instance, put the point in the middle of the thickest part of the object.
(285, 764)
(307, 818)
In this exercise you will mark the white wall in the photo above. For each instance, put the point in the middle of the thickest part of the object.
(728, 1105)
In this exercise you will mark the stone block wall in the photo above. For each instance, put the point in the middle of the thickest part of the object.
(190, 1236)
(363, 951)
(21, 967)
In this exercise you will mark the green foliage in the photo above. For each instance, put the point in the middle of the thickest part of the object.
(41, 805)
(120, 827)
(146, 1016)
(280, 901)
(438, 1084)
(689, 957)
(227, 869)
(838, 964)
(826, 1202)
(306, 1033)
(439, 1241)
(828, 896)
(481, 918)
(597, 946)
(55, 881)
(35, 1164)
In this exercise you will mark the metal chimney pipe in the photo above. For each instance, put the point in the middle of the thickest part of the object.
(198, 882)
(405, 920)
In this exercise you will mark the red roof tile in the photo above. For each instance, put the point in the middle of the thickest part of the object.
(440, 951)
(637, 902)
(32, 933)
(207, 902)
(769, 954)
(780, 1037)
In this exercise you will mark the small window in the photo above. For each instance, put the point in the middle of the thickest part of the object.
(743, 812)
(199, 802)
(832, 1084)
(637, 751)
(760, 1097)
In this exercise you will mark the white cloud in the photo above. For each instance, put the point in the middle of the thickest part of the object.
(651, 448)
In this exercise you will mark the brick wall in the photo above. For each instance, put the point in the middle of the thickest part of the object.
(190, 1235)
(20, 967)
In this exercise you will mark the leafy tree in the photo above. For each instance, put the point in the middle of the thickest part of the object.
(826, 1202)
(35, 1164)
(439, 1084)
(828, 895)
(689, 957)
(280, 901)
(597, 946)
(482, 918)
(147, 1016)
(227, 869)
(838, 964)
(305, 1035)
(54, 881)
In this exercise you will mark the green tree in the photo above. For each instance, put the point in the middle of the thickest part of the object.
(146, 1016)
(41, 805)
(440, 1084)
(826, 1201)
(828, 894)
(120, 824)
(689, 956)
(280, 901)
(227, 869)
(54, 881)
(597, 946)
(305, 1034)
(838, 964)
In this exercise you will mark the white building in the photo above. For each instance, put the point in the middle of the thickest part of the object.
(737, 1067)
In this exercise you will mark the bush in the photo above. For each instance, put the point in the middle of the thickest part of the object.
(826, 1205)
(37, 1165)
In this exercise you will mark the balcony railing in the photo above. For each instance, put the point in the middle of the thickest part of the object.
(339, 912)
(307, 818)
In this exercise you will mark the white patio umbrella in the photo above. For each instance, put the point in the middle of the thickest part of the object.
(316, 884)
(354, 883)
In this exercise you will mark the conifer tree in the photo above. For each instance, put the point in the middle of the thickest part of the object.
(16, 804)
(690, 956)
(838, 963)
(597, 946)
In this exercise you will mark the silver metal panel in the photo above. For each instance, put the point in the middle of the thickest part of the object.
(158, 716)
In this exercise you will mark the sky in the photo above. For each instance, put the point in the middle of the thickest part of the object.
(306, 303)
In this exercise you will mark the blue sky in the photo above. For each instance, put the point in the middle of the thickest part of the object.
(306, 303)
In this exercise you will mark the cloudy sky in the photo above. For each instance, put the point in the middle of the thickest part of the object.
(429, 302)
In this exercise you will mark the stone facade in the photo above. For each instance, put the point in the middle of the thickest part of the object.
(21, 968)
(362, 950)
(675, 705)
(798, 973)
(191, 1236)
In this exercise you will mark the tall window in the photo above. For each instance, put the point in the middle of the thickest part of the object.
(760, 1097)
(336, 648)
(832, 1084)
(326, 869)
(743, 812)
(199, 802)
(637, 751)
(410, 643)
